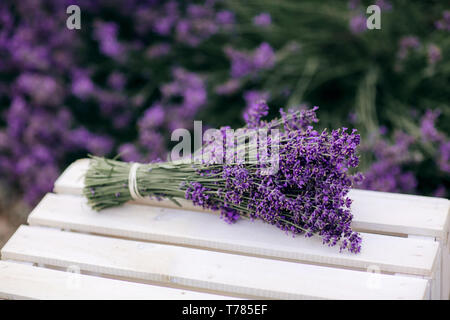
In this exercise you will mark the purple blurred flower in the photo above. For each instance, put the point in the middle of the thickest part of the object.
(16, 117)
(241, 62)
(225, 19)
(434, 54)
(116, 80)
(199, 24)
(427, 127)
(229, 87)
(384, 5)
(262, 20)
(263, 56)
(82, 86)
(253, 96)
(99, 145)
(181, 99)
(255, 112)
(444, 23)
(158, 50)
(358, 24)
(191, 87)
(153, 117)
(106, 34)
(81, 138)
(353, 4)
(163, 25)
(444, 157)
(130, 153)
(245, 63)
(169, 16)
(406, 44)
(153, 143)
(387, 172)
(43, 90)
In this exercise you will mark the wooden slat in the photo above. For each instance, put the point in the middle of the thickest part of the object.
(18, 281)
(400, 213)
(206, 230)
(373, 211)
(221, 272)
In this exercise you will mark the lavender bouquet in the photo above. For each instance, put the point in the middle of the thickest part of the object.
(306, 194)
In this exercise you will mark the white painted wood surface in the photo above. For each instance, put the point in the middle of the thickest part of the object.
(404, 237)
(373, 211)
(206, 230)
(202, 269)
(19, 281)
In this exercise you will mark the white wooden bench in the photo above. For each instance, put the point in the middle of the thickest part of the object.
(139, 251)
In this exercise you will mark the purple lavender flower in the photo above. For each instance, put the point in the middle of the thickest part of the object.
(253, 96)
(229, 87)
(353, 4)
(255, 112)
(100, 145)
(153, 117)
(256, 107)
(82, 86)
(262, 20)
(358, 24)
(406, 44)
(158, 50)
(444, 156)
(163, 25)
(387, 172)
(225, 18)
(245, 63)
(166, 19)
(263, 56)
(42, 89)
(384, 5)
(117, 81)
(189, 89)
(153, 142)
(241, 62)
(312, 172)
(434, 54)
(130, 153)
(444, 23)
(200, 24)
(106, 35)
(95, 144)
(427, 127)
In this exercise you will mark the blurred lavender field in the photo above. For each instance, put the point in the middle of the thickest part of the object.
(139, 69)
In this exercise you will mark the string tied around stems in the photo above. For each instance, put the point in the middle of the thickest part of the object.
(132, 182)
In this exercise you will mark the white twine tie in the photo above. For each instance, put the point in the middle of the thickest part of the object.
(132, 182)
